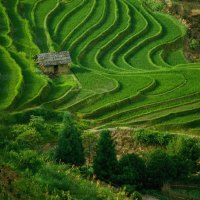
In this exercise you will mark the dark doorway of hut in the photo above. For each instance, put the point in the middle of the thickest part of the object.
(55, 69)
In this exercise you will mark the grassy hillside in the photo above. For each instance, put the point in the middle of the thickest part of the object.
(128, 66)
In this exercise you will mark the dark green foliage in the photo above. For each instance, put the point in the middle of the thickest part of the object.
(27, 159)
(25, 117)
(132, 170)
(87, 171)
(160, 168)
(70, 149)
(5, 136)
(14, 187)
(47, 131)
(187, 148)
(148, 137)
(194, 44)
(183, 167)
(32, 134)
(37, 122)
(28, 137)
(55, 179)
(105, 161)
(28, 189)
(186, 153)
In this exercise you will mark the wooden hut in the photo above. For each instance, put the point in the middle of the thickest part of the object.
(54, 63)
(195, 12)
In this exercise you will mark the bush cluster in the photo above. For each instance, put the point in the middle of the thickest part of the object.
(149, 137)
(194, 44)
(26, 160)
(158, 167)
(132, 171)
(178, 160)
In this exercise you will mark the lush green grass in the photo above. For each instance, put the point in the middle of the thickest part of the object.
(89, 51)
(19, 29)
(10, 79)
(86, 26)
(32, 83)
(39, 13)
(88, 12)
(169, 113)
(4, 27)
(58, 88)
(176, 57)
(64, 26)
(125, 90)
(101, 86)
(175, 96)
(128, 62)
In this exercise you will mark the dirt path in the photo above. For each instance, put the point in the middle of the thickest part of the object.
(148, 197)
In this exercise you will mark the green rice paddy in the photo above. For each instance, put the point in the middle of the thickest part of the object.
(128, 66)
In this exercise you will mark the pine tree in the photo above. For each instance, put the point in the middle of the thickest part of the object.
(69, 148)
(105, 162)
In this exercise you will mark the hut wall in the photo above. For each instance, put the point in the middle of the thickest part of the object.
(63, 69)
(48, 69)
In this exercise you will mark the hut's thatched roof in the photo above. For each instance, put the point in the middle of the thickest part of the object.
(55, 58)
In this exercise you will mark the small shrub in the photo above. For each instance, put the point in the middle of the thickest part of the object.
(183, 167)
(87, 171)
(188, 148)
(26, 188)
(160, 168)
(152, 137)
(29, 138)
(132, 170)
(194, 44)
(37, 122)
(47, 130)
(27, 159)
(186, 153)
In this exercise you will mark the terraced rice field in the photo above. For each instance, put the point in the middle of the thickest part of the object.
(128, 67)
